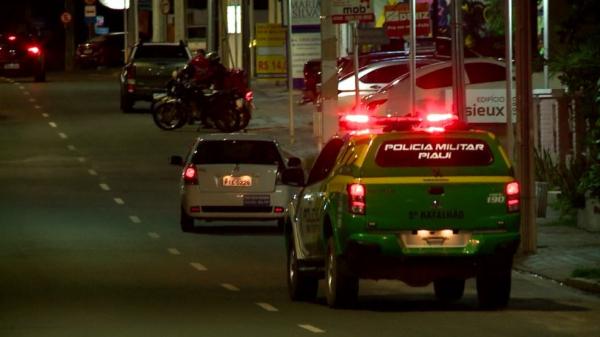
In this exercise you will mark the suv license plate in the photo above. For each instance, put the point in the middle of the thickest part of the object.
(231, 181)
(12, 66)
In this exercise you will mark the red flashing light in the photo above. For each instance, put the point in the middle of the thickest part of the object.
(34, 50)
(12, 38)
(356, 198)
(190, 175)
(249, 96)
(278, 209)
(513, 192)
(434, 129)
(362, 119)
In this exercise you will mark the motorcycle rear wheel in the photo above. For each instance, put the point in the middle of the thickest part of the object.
(168, 116)
(228, 120)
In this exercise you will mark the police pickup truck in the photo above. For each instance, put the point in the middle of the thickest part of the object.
(434, 202)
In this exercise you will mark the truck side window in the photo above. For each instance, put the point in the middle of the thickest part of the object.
(325, 161)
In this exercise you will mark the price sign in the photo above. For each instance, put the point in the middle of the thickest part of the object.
(271, 64)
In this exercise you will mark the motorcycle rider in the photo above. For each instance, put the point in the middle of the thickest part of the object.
(206, 71)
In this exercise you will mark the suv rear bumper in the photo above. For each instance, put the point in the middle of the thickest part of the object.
(372, 257)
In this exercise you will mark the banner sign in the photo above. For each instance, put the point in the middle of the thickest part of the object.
(344, 11)
(397, 20)
(270, 49)
(484, 105)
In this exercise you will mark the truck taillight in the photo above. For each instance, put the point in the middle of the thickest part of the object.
(356, 198)
(190, 175)
(130, 78)
(513, 195)
(34, 50)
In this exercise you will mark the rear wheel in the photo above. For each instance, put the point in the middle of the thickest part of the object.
(301, 287)
(186, 221)
(342, 286)
(449, 290)
(494, 284)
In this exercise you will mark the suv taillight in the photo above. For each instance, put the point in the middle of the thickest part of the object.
(190, 175)
(356, 198)
(513, 195)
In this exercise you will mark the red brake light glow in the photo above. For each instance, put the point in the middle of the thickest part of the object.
(12, 38)
(363, 119)
(356, 198)
(34, 50)
(440, 117)
(513, 192)
(190, 175)
(249, 96)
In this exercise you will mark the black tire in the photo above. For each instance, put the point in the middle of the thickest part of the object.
(40, 77)
(228, 120)
(186, 222)
(168, 116)
(126, 104)
(301, 287)
(494, 285)
(342, 286)
(449, 290)
(245, 116)
(280, 223)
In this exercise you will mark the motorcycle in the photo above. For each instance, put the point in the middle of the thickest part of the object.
(183, 103)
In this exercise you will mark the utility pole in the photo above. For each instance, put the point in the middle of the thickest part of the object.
(458, 61)
(329, 79)
(525, 140)
(69, 36)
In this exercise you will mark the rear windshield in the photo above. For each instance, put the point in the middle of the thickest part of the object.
(434, 152)
(162, 52)
(237, 152)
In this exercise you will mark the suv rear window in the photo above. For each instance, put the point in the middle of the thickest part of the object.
(162, 52)
(434, 152)
(237, 152)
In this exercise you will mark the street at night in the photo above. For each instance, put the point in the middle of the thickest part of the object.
(90, 241)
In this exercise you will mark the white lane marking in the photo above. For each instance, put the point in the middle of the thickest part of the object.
(32, 100)
(81, 159)
(63, 135)
(267, 306)
(119, 201)
(38, 107)
(92, 172)
(71, 147)
(21, 87)
(198, 266)
(230, 287)
(153, 235)
(105, 187)
(26, 93)
(45, 115)
(52, 124)
(311, 328)
(173, 251)
(135, 219)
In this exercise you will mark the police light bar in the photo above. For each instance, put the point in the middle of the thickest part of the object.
(12, 38)
(435, 117)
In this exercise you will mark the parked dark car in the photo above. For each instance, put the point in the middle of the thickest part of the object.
(149, 68)
(22, 55)
(104, 50)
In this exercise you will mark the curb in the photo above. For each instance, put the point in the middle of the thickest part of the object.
(585, 284)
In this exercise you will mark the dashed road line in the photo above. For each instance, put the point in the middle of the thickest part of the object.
(71, 147)
(63, 135)
(105, 187)
(45, 115)
(198, 266)
(92, 172)
(154, 235)
(119, 201)
(38, 107)
(230, 287)
(267, 306)
(32, 100)
(21, 87)
(173, 251)
(311, 328)
(26, 93)
(81, 159)
(52, 124)
(135, 219)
